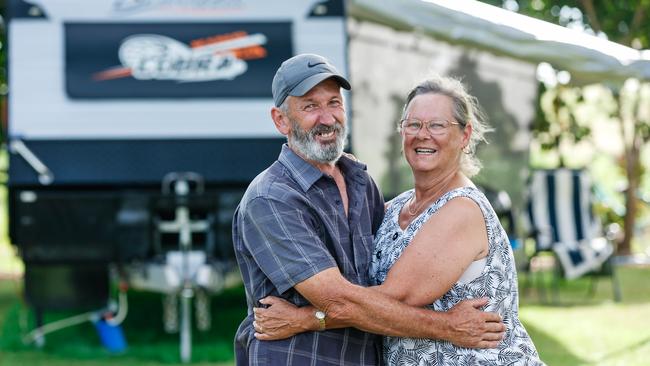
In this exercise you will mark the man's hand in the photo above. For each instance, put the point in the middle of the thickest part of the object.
(281, 319)
(473, 328)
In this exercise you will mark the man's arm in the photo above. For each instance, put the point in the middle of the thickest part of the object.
(281, 240)
(350, 305)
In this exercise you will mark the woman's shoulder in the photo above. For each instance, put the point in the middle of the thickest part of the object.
(459, 203)
(464, 191)
(472, 193)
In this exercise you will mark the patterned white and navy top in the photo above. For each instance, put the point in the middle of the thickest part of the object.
(497, 281)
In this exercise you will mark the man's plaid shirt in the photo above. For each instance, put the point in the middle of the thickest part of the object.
(291, 225)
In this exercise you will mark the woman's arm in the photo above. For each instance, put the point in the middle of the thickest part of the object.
(439, 254)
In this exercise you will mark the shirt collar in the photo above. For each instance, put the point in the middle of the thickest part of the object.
(306, 174)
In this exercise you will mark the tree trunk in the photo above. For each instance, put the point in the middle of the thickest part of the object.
(633, 143)
(631, 169)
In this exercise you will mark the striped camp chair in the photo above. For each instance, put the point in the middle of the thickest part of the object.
(562, 221)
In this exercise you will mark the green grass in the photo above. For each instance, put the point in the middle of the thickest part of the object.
(148, 344)
(579, 329)
(607, 334)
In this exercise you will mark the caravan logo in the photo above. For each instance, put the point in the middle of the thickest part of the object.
(156, 57)
(174, 60)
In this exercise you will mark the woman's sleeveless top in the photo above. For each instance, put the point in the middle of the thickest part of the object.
(497, 281)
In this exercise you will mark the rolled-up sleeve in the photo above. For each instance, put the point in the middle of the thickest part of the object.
(283, 242)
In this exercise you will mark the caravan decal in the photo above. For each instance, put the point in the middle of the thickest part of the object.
(147, 57)
(152, 60)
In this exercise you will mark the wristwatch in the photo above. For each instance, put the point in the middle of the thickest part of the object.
(320, 316)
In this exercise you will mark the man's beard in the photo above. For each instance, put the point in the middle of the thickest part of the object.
(305, 144)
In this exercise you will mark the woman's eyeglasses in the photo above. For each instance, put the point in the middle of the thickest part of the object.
(412, 126)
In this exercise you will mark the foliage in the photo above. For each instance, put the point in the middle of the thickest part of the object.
(557, 122)
(624, 22)
(621, 21)
(3, 70)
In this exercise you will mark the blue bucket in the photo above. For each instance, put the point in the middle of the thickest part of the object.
(111, 336)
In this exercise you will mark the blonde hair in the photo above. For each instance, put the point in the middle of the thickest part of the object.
(466, 109)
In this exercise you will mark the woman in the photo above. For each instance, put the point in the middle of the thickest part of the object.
(441, 242)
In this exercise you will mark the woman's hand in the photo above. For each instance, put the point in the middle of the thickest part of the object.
(282, 319)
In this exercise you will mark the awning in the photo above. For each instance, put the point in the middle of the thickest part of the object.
(588, 58)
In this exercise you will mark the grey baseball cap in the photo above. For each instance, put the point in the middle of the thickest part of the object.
(297, 75)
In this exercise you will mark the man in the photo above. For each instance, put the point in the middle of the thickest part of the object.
(304, 231)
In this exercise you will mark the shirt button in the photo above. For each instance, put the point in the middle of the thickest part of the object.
(379, 254)
(395, 236)
(338, 202)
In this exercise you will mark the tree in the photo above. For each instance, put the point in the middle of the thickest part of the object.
(626, 22)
